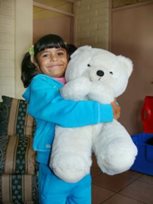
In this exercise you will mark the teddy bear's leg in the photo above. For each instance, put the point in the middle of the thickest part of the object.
(71, 153)
(114, 149)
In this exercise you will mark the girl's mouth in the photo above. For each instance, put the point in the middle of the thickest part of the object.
(54, 66)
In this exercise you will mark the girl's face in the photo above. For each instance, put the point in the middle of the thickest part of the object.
(52, 61)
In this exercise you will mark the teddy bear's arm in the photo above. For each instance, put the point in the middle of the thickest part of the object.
(101, 93)
(76, 89)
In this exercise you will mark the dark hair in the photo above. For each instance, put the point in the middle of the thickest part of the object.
(28, 68)
(71, 48)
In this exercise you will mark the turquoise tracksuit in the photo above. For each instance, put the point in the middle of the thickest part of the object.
(48, 108)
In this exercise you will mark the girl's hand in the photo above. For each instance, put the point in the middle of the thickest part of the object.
(116, 109)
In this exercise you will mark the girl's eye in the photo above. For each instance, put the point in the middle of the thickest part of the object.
(60, 53)
(45, 55)
(111, 73)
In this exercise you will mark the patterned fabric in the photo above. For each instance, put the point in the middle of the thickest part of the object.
(14, 119)
(18, 189)
(17, 156)
(18, 168)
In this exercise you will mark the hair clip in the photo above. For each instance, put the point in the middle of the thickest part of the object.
(31, 52)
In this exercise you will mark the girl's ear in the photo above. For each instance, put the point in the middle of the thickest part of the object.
(37, 68)
(127, 64)
(36, 64)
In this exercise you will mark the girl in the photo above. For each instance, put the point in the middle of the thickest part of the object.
(43, 74)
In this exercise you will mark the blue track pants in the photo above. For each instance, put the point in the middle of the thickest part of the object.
(53, 190)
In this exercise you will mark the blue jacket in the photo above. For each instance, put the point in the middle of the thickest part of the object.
(48, 108)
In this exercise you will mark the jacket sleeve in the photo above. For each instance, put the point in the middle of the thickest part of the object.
(46, 103)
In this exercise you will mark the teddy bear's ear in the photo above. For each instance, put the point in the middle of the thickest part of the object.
(127, 62)
(81, 50)
(78, 63)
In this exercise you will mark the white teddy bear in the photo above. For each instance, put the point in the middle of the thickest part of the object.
(99, 75)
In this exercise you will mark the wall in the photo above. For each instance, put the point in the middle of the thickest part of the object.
(15, 39)
(92, 22)
(53, 17)
(23, 37)
(7, 47)
(132, 36)
(120, 3)
(61, 25)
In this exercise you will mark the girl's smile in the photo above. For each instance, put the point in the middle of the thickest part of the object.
(54, 66)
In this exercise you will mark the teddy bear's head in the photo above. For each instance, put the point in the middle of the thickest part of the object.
(100, 66)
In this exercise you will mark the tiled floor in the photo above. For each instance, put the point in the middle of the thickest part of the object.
(126, 188)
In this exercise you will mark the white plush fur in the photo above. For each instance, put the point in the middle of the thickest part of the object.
(111, 143)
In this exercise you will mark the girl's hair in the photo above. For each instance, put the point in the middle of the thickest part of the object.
(28, 68)
(71, 48)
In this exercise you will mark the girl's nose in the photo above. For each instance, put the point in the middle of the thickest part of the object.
(53, 57)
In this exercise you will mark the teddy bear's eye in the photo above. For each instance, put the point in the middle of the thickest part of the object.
(111, 73)
(88, 65)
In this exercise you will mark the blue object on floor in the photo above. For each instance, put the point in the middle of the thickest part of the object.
(144, 159)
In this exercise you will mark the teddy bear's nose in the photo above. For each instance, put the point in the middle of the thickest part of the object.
(100, 73)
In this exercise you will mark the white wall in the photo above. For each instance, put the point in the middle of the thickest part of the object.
(23, 37)
(7, 47)
(15, 38)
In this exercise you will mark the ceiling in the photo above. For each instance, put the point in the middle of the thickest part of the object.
(55, 2)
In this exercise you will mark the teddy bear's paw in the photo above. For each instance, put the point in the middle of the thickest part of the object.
(70, 168)
(118, 160)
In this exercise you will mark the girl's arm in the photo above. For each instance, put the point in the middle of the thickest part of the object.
(46, 103)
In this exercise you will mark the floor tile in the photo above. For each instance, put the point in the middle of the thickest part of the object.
(130, 187)
(146, 179)
(95, 170)
(99, 194)
(119, 199)
(139, 190)
(117, 182)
